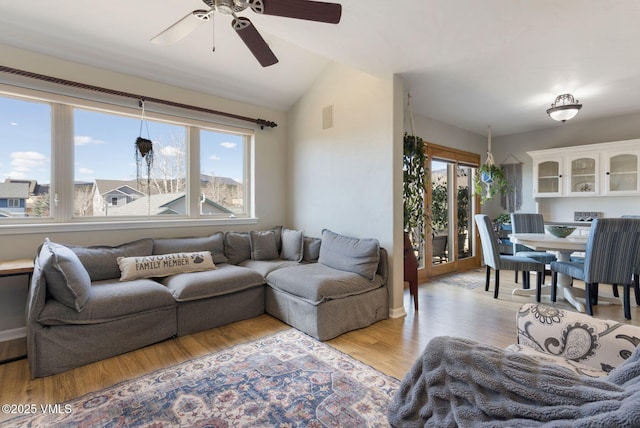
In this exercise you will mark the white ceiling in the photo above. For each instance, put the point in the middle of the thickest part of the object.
(469, 63)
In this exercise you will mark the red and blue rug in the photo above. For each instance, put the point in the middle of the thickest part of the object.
(285, 380)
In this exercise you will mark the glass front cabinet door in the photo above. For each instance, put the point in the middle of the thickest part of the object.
(584, 174)
(547, 177)
(622, 172)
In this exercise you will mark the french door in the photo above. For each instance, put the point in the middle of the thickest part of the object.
(450, 243)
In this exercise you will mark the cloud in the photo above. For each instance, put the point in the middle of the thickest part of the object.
(83, 140)
(228, 145)
(171, 151)
(85, 171)
(13, 123)
(214, 158)
(27, 161)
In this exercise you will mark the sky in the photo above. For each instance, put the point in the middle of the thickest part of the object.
(103, 144)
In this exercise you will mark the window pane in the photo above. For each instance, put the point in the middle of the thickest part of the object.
(25, 158)
(113, 178)
(222, 177)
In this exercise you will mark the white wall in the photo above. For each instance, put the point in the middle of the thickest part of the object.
(442, 134)
(347, 178)
(564, 135)
(269, 181)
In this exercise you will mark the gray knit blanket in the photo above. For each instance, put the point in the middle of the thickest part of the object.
(458, 382)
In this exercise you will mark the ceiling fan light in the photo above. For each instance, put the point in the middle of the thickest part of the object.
(564, 108)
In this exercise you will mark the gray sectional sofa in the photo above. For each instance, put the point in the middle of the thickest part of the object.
(87, 303)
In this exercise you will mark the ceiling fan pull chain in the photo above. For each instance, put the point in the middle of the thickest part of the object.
(213, 34)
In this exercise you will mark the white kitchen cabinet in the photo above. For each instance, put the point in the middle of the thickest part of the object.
(605, 169)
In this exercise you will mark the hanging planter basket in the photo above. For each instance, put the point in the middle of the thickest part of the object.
(144, 146)
(490, 179)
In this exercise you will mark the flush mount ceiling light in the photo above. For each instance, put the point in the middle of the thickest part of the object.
(564, 108)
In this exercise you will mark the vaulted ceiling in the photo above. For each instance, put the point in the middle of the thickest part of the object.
(467, 63)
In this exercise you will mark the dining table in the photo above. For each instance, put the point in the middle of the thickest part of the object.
(564, 247)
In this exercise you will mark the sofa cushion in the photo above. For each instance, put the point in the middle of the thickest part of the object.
(263, 245)
(317, 283)
(264, 267)
(355, 255)
(311, 251)
(292, 245)
(225, 279)
(101, 261)
(214, 244)
(67, 279)
(237, 246)
(110, 300)
(164, 265)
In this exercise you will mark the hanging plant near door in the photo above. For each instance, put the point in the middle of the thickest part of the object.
(490, 179)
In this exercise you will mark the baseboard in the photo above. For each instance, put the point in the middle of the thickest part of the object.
(397, 312)
(16, 333)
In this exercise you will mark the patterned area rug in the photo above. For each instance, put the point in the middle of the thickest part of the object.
(469, 280)
(285, 380)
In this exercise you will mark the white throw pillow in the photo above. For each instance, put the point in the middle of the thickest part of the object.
(164, 265)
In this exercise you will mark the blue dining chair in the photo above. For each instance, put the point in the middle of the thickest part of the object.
(493, 259)
(530, 223)
(610, 258)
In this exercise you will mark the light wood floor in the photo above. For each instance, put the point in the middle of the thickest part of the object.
(390, 346)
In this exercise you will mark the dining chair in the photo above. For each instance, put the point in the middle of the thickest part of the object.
(636, 272)
(493, 259)
(610, 258)
(530, 223)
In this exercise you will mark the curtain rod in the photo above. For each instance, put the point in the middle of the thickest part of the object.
(260, 122)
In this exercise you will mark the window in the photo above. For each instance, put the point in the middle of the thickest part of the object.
(99, 176)
(128, 184)
(25, 158)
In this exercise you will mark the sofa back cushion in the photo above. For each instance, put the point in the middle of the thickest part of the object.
(237, 246)
(101, 261)
(355, 255)
(67, 280)
(263, 245)
(292, 245)
(214, 244)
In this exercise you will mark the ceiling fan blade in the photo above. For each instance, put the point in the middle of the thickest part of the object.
(300, 9)
(254, 41)
(182, 27)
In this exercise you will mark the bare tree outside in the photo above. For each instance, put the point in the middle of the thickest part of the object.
(169, 168)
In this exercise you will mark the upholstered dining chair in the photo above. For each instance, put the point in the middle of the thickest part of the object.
(493, 259)
(530, 223)
(611, 256)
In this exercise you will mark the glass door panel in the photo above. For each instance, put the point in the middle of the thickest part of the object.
(440, 212)
(464, 211)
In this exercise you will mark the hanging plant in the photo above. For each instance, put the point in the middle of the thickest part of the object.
(489, 182)
(143, 151)
(413, 182)
(490, 179)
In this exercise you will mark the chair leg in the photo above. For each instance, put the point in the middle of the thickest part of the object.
(538, 287)
(516, 278)
(595, 290)
(554, 285)
(636, 287)
(495, 292)
(614, 287)
(486, 283)
(588, 301)
(526, 284)
(627, 298)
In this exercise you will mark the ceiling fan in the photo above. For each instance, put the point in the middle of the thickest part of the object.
(299, 9)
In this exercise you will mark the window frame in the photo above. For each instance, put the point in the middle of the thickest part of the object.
(62, 161)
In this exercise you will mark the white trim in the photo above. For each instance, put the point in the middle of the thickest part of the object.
(397, 312)
(16, 333)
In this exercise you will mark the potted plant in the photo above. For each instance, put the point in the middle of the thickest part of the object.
(490, 181)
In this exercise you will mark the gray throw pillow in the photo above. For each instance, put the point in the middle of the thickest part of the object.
(67, 280)
(355, 255)
(263, 245)
(214, 244)
(237, 246)
(101, 261)
(311, 249)
(292, 245)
